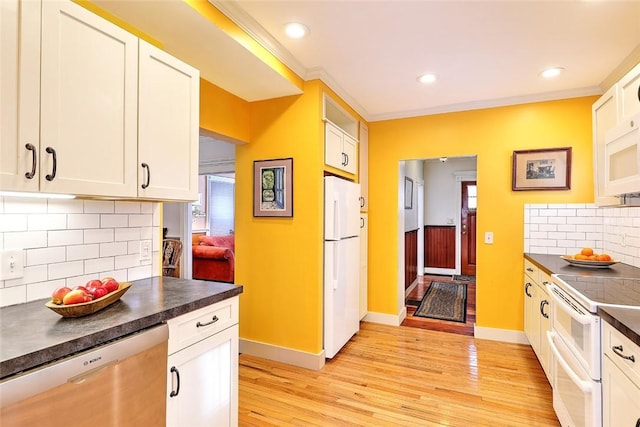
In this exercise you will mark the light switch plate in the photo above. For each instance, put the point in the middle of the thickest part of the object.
(11, 264)
(145, 252)
(488, 237)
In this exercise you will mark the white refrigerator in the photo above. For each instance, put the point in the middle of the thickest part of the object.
(341, 263)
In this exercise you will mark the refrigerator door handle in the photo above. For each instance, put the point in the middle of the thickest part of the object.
(336, 219)
(334, 277)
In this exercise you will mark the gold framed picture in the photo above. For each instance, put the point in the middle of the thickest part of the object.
(544, 169)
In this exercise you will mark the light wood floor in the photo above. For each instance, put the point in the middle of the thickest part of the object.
(401, 376)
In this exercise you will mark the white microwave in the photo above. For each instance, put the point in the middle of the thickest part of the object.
(622, 158)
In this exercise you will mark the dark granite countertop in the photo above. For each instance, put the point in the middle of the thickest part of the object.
(625, 320)
(32, 335)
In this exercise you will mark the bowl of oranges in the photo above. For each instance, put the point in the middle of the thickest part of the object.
(587, 258)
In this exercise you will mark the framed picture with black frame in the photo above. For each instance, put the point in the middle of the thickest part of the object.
(273, 188)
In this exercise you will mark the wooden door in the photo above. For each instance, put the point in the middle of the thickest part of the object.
(468, 228)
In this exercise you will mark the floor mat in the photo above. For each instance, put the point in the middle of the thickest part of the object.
(444, 301)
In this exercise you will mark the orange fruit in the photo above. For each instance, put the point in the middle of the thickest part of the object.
(586, 251)
(603, 257)
(580, 256)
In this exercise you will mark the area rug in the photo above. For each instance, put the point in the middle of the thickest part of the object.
(464, 278)
(444, 301)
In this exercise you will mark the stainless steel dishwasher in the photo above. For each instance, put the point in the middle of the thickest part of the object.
(119, 384)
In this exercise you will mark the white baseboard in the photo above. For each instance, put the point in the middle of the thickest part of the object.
(505, 335)
(443, 271)
(386, 319)
(286, 355)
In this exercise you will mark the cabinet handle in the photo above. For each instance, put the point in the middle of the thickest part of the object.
(526, 289)
(361, 202)
(617, 349)
(638, 422)
(530, 270)
(146, 184)
(52, 175)
(175, 392)
(361, 222)
(544, 303)
(214, 319)
(346, 159)
(34, 160)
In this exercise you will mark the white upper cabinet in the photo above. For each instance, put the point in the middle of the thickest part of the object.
(604, 117)
(629, 94)
(341, 151)
(168, 126)
(363, 169)
(80, 101)
(19, 94)
(89, 98)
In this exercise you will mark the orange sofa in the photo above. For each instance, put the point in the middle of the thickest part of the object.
(213, 258)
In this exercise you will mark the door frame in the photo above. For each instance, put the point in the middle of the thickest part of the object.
(460, 177)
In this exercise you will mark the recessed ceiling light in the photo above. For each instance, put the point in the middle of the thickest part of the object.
(427, 78)
(295, 30)
(550, 73)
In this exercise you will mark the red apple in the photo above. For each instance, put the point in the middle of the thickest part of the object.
(95, 283)
(81, 288)
(76, 296)
(99, 292)
(111, 284)
(59, 294)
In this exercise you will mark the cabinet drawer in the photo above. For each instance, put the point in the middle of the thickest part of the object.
(621, 350)
(192, 327)
(531, 270)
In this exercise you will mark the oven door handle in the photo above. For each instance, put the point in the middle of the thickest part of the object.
(582, 318)
(584, 386)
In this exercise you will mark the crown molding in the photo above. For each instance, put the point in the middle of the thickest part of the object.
(490, 103)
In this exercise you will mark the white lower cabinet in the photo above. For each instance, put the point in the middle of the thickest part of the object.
(620, 379)
(536, 314)
(202, 369)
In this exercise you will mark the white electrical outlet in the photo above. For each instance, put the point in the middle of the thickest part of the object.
(11, 264)
(488, 237)
(145, 252)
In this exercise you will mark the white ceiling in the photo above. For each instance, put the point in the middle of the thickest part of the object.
(485, 53)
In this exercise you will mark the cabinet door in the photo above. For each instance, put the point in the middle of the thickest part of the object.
(604, 117)
(531, 322)
(363, 167)
(364, 232)
(621, 397)
(350, 153)
(544, 311)
(89, 95)
(333, 155)
(629, 93)
(168, 126)
(202, 382)
(19, 93)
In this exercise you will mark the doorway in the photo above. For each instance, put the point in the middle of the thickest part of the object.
(447, 248)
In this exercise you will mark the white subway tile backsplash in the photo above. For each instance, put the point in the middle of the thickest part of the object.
(46, 255)
(98, 265)
(140, 220)
(107, 221)
(83, 221)
(65, 269)
(72, 241)
(113, 249)
(25, 240)
(98, 235)
(65, 237)
(79, 252)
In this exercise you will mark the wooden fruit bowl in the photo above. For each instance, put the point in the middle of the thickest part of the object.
(86, 308)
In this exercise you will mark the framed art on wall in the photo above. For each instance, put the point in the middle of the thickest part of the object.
(273, 187)
(545, 169)
(408, 193)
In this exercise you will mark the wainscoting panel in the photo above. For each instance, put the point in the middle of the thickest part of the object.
(439, 246)
(410, 257)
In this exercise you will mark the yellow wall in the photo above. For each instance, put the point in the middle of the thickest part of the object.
(223, 113)
(491, 134)
(279, 260)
